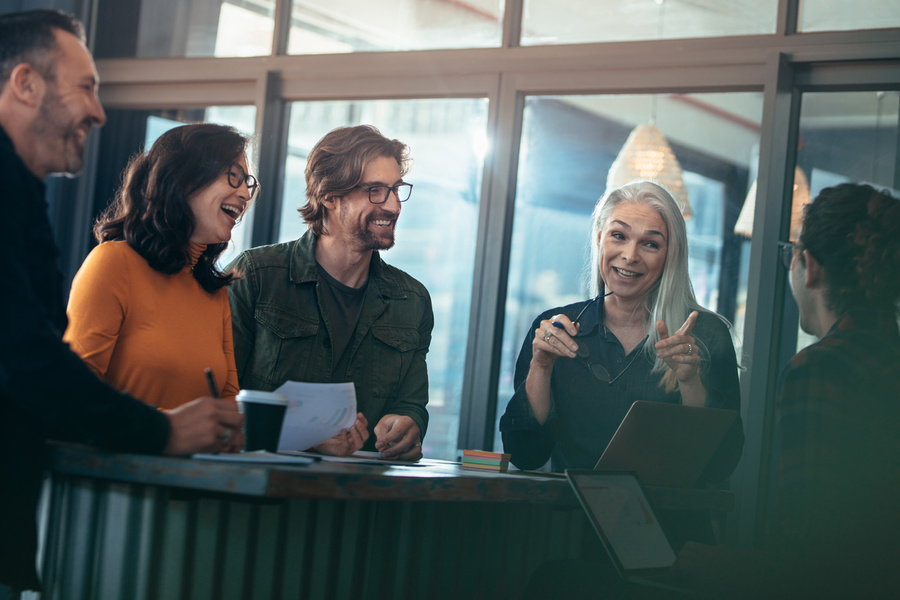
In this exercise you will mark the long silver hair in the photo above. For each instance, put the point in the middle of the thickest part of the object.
(672, 297)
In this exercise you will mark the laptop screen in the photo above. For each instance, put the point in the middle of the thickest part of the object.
(616, 505)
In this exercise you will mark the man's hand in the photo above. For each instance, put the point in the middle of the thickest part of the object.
(347, 441)
(205, 425)
(398, 438)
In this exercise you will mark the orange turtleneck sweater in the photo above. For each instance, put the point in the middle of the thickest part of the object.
(149, 333)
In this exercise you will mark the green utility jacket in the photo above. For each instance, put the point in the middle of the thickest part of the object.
(281, 334)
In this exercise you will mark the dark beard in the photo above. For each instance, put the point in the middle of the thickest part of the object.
(369, 241)
(364, 237)
(51, 123)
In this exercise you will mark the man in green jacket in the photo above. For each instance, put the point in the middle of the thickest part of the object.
(326, 308)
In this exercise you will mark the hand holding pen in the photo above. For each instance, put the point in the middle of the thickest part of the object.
(209, 424)
(214, 392)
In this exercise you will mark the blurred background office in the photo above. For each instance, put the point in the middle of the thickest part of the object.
(515, 111)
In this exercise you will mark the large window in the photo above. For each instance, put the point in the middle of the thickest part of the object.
(435, 232)
(338, 26)
(834, 15)
(185, 28)
(580, 21)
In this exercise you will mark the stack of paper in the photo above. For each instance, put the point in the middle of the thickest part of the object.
(485, 461)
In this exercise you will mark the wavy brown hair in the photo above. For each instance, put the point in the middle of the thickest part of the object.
(853, 230)
(151, 210)
(336, 164)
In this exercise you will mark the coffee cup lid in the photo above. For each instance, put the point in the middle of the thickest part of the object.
(262, 397)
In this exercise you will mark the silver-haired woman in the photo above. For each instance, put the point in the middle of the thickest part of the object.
(642, 336)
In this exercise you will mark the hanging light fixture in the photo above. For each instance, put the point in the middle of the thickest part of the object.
(647, 155)
(744, 225)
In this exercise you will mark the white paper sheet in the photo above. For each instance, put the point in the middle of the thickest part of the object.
(315, 412)
(257, 456)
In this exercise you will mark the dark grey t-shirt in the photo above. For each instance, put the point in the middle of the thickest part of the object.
(342, 307)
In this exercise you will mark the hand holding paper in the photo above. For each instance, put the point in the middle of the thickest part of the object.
(347, 441)
(315, 413)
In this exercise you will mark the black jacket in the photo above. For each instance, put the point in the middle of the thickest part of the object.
(45, 390)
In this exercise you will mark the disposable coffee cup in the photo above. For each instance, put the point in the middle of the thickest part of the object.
(263, 415)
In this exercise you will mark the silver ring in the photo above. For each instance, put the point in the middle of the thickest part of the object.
(417, 445)
(547, 336)
(690, 349)
(225, 437)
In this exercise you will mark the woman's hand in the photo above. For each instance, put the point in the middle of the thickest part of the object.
(680, 350)
(347, 441)
(552, 340)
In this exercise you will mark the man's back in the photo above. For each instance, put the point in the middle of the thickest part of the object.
(839, 446)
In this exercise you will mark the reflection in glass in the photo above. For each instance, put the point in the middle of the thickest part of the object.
(436, 230)
(575, 139)
(840, 15)
(185, 28)
(585, 21)
(341, 26)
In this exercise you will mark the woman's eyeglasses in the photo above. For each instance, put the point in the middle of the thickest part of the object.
(584, 355)
(237, 178)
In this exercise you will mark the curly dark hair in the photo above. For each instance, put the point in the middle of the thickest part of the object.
(336, 164)
(151, 210)
(853, 230)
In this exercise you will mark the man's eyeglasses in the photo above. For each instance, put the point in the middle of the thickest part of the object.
(786, 249)
(584, 355)
(378, 194)
(237, 177)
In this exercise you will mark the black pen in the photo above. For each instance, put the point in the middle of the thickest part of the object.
(211, 380)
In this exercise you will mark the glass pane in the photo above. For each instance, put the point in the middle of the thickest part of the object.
(184, 28)
(339, 26)
(129, 131)
(840, 15)
(436, 230)
(568, 146)
(584, 21)
(848, 137)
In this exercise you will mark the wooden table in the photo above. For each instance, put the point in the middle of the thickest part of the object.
(148, 527)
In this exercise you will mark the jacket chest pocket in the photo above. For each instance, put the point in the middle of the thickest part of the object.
(284, 348)
(392, 352)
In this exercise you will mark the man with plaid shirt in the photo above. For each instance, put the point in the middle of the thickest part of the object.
(836, 528)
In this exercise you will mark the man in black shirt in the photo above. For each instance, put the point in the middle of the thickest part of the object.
(48, 105)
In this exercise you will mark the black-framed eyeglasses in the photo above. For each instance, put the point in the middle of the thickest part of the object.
(584, 355)
(378, 194)
(237, 177)
(786, 250)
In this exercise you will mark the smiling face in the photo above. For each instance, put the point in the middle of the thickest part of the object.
(69, 108)
(218, 206)
(633, 248)
(363, 225)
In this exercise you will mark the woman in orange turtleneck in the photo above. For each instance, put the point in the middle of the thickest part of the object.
(148, 310)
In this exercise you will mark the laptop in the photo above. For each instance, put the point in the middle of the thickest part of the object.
(617, 507)
(666, 444)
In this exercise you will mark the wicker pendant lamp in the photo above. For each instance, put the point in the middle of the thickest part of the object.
(744, 225)
(647, 155)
